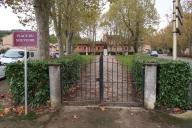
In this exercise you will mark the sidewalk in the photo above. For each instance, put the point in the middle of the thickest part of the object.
(82, 117)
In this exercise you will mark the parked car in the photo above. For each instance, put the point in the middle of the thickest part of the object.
(54, 54)
(12, 56)
(147, 52)
(15, 55)
(1, 55)
(154, 53)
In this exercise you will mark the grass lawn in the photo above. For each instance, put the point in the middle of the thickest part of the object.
(87, 59)
(126, 60)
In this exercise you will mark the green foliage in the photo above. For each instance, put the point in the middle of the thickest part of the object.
(52, 39)
(4, 33)
(3, 50)
(132, 19)
(172, 80)
(38, 78)
(126, 60)
(38, 82)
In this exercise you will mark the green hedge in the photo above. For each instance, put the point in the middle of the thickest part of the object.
(38, 82)
(38, 78)
(172, 80)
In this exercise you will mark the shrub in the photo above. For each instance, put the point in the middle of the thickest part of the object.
(172, 80)
(38, 78)
(38, 82)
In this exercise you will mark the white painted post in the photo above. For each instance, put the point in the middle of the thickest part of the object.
(25, 81)
(150, 85)
(55, 85)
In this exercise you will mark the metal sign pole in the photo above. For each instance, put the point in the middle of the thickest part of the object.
(25, 79)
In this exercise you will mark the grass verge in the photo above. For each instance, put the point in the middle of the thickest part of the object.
(126, 60)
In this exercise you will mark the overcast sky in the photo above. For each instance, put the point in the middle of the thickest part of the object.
(9, 21)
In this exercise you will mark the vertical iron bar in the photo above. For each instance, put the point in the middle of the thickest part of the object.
(101, 78)
(127, 84)
(107, 71)
(81, 82)
(143, 83)
(112, 79)
(95, 78)
(90, 79)
(77, 88)
(107, 79)
(117, 80)
(86, 77)
(122, 82)
(61, 81)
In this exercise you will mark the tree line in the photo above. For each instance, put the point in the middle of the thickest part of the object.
(129, 20)
(163, 39)
(67, 18)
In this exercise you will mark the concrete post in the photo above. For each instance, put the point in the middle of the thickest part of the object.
(150, 85)
(55, 85)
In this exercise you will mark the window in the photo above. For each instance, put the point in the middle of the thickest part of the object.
(98, 48)
(84, 48)
(14, 54)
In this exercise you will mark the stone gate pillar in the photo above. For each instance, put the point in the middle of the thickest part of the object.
(55, 85)
(150, 84)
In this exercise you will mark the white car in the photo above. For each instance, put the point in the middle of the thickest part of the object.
(154, 53)
(1, 55)
(12, 56)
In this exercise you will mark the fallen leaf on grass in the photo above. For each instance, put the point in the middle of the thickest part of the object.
(2, 96)
(39, 111)
(6, 111)
(52, 110)
(177, 110)
(102, 108)
(1, 114)
(18, 110)
(75, 116)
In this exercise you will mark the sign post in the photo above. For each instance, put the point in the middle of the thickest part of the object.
(177, 23)
(25, 79)
(25, 39)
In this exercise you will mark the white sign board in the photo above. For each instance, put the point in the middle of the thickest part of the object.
(105, 52)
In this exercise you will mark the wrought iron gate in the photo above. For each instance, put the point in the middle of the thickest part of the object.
(105, 81)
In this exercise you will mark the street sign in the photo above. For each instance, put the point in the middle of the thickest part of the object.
(177, 24)
(179, 15)
(179, 8)
(24, 38)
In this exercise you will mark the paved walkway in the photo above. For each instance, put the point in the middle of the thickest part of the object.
(86, 117)
(188, 60)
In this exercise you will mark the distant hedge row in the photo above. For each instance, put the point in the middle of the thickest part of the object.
(38, 78)
(172, 80)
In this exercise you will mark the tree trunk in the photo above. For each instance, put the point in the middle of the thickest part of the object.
(41, 8)
(69, 43)
(57, 20)
(136, 40)
(60, 42)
